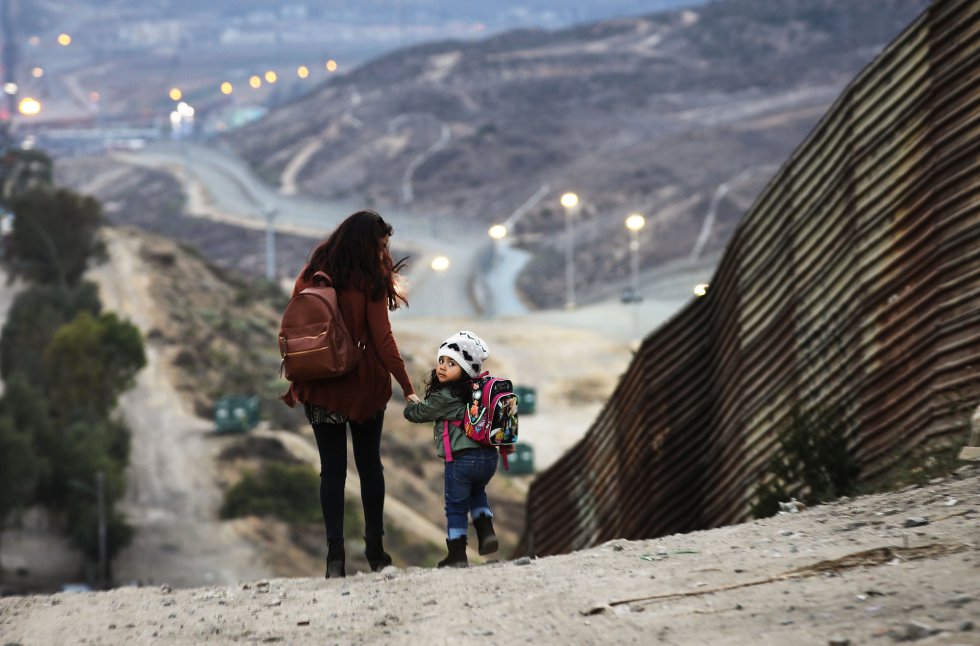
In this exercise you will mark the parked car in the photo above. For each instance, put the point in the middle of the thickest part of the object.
(630, 295)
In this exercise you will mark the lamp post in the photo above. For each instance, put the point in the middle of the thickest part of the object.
(570, 202)
(497, 233)
(634, 223)
(270, 243)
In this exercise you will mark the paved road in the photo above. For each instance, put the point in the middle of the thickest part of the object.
(480, 281)
(228, 190)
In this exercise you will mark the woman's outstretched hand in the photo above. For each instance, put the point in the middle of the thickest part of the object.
(413, 399)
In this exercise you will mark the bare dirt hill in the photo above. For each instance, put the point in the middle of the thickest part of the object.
(887, 568)
(666, 114)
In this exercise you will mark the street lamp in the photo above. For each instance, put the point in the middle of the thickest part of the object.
(440, 263)
(570, 202)
(634, 223)
(497, 232)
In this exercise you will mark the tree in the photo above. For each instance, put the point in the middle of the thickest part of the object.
(34, 316)
(55, 235)
(21, 170)
(18, 469)
(89, 363)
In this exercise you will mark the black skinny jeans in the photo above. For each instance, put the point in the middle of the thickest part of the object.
(331, 442)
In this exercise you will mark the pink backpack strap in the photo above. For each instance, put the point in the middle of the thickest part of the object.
(445, 441)
(503, 456)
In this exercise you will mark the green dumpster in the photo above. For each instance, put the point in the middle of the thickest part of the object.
(236, 414)
(526, 400)
(521, 461)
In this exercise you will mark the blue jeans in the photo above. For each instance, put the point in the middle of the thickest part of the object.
(466, 488)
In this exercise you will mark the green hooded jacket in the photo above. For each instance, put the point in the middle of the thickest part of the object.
(439, 407)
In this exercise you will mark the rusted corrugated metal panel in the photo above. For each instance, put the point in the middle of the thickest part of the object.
(852, 285)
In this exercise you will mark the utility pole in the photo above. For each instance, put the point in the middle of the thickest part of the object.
(270, 243)
(100, 510)
(103, 538)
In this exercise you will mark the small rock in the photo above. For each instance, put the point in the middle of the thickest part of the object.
(915, 521)
(524, 560)
(839, 641)
(912, 631)
(937, 481)
(960, 600)
(966, 626)
(166, 589)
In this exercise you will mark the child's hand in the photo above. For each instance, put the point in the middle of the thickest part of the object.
(413, 399)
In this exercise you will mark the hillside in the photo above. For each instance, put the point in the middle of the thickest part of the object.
(657, 114)
(896, 567)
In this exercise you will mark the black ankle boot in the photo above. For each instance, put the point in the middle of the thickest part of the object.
(375, 554)
(485, 535)
(335, 559)
(457, 553)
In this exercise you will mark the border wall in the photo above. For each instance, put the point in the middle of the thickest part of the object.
(852, 284)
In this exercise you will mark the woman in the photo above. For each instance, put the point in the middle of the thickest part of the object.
(356, 258)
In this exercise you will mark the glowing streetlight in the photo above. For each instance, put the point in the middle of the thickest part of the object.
(302, 71)
(29, 106)
(37, 72)
(497, 232)
(570, 202)
(255, 82)
(175, 94)
(227, 88)
(331, 65)
(64, 40)
(271, 77)
(440, 263)
(701, 289)
(634, 223)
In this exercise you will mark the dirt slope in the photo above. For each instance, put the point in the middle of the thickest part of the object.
(854, 572)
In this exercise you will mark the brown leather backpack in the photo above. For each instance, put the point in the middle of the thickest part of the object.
(313, 339)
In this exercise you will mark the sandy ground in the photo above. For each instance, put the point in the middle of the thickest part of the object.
(880, 569)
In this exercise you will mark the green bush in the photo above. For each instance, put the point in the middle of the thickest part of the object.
(288, 492)
(812, 463)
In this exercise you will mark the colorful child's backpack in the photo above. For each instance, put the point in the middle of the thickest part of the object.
(491, 417)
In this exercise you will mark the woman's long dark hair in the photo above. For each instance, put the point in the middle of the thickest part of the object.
(460, 388)
(355, 258)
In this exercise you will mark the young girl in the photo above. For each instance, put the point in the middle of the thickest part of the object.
(447, 393)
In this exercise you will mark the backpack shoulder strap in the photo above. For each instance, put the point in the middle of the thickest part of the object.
(445, 440)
